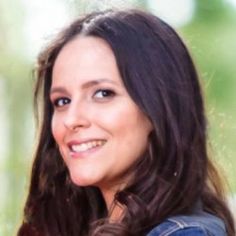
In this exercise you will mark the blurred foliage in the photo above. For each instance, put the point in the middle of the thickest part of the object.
(14, 71)
(211, 37)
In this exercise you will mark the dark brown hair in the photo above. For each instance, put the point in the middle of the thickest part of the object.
(175, 173)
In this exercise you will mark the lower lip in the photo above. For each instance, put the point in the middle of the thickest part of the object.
(84, 154)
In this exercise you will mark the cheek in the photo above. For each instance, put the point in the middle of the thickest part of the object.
(56, 128)
(124, 121)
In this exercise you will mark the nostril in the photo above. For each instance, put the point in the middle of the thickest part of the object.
(71, 125)
(75, 124)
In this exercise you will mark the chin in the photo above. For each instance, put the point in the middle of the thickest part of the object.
(82, 181)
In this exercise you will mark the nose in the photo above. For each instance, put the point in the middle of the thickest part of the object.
(76, 117)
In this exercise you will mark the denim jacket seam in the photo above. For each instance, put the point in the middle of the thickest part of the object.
(181, 225)
(203, 223)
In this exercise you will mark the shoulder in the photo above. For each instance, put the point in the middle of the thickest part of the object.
(169, 228)
(203, 224)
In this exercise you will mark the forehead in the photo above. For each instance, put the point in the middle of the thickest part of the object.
(85, 56)
(84, 49)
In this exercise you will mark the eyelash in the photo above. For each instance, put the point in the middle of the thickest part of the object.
(106, 93)
(58, 100)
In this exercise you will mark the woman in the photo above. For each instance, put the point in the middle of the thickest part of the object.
(122, 142)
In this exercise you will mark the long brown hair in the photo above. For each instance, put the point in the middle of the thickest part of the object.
(175, 173)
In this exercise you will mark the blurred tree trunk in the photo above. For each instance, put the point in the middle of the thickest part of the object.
(15, 71)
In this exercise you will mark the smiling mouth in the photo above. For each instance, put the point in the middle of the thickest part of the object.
(86, 146)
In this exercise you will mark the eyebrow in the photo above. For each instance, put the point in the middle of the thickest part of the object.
(96, 82)
(86, 85)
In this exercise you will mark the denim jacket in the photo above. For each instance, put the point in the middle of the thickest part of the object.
(199, 224)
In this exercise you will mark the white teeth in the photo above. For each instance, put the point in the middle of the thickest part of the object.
(86, 146)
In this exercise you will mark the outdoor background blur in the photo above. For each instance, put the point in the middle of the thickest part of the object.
(208, 28)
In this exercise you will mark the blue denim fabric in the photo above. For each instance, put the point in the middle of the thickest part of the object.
(199, 224)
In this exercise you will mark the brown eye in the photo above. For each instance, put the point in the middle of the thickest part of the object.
(60, 102)
(104, 93)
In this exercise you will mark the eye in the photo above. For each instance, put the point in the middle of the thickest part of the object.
(104, 93)
(60, 102)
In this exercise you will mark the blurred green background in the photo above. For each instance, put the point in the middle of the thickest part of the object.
(208, 28)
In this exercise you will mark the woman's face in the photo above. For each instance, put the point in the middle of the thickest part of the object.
(100, 131)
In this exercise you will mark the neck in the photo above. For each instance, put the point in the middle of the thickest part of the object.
(115, 209)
